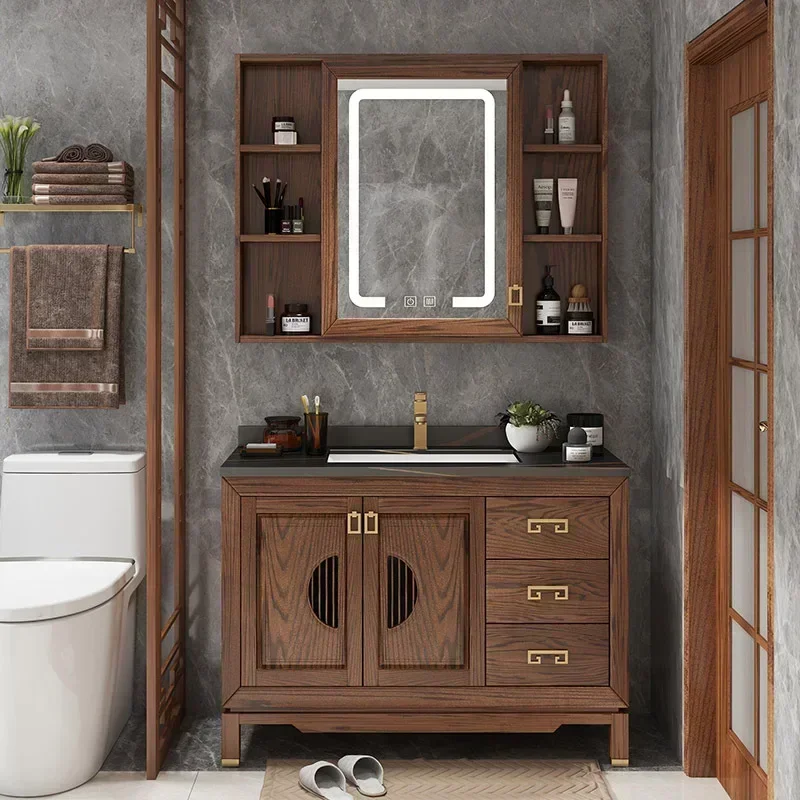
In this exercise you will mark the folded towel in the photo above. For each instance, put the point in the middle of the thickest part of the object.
(64, 378)
(81, 168)
(80, 189)
(81, 199)
(110, 178)
(66, 289)
(77, 152)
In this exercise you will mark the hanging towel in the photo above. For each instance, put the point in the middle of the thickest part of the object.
(66, 296)
(65, 378)
(81, 168)
(81, 199)
(110, 178)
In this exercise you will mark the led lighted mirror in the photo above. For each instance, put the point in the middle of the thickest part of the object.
(422, 198)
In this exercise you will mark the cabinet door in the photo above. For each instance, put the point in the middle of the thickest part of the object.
(423, 591)
(301, 592)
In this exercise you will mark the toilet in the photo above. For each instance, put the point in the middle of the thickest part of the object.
(72, 553)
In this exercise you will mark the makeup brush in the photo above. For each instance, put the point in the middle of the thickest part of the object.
(283, 193)
(260, 196)
(267, 190)
(277, 193)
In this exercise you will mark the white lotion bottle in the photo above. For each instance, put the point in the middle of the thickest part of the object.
(566, 121)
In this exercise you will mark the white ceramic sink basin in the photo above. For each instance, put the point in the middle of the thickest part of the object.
(422, 457)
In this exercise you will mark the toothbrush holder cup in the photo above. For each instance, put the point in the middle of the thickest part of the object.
(316, 438)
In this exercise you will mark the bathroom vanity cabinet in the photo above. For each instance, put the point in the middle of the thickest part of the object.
(434, 599)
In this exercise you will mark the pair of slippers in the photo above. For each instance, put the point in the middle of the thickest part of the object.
(329, 781)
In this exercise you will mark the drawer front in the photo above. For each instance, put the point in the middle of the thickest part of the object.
(547, 527)
(547, 655)
(546, 591)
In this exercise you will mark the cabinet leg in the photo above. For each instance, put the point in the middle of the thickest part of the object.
(230, 740)
(618, 745)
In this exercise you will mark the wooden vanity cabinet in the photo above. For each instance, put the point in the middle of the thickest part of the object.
(434, 604)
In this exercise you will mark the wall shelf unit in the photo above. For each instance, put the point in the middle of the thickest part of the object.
(294, 267)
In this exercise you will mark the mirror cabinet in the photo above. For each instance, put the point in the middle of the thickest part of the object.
(401, 205)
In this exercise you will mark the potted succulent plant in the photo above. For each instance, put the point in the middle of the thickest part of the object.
(15, 136)
(529, 427)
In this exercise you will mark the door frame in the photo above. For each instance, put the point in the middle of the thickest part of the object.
(703, 432)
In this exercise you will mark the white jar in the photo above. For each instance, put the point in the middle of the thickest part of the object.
(529, 438)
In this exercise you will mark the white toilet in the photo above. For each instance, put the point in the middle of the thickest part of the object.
(72, 552)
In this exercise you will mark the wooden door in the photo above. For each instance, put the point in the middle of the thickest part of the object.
(301, 591)
(423, 591)
(745, 647)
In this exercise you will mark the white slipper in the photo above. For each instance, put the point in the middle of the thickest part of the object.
(365, 773)
(325, 780)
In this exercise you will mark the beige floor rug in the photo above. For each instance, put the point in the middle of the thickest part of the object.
(520, 779)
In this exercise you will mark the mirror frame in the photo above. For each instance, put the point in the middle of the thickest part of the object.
(411, 67)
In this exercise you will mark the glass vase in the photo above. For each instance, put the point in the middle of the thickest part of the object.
(12, 186)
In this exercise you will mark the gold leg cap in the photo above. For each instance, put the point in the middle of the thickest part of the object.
(620, 762)
(230, 762)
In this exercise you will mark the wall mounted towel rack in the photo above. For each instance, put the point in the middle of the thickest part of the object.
(135, 210)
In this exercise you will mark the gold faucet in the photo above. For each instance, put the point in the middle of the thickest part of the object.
(420, 420)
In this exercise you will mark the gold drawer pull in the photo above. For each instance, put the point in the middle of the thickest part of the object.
(560, 657)
(354, 523)
(559, 592)
(560, 525)
(516, 289)
(371, 517)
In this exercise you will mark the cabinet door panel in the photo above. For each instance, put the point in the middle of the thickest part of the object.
(303, 609)
(417, 592)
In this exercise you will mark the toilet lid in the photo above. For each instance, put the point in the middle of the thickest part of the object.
(33, 589)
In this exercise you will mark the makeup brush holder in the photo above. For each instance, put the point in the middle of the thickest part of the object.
(272, 220)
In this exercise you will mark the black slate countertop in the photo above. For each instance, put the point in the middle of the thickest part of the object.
(298, 465)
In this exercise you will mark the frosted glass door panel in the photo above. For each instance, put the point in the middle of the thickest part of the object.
(743, 428)
(743, 680)
(743, 162)
(763, 708)
(763, 438)
(743, 331)
(763, 299)
(742, 557)
(762, 165)
(763, 564)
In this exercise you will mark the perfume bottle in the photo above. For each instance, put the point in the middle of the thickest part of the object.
(548, 307)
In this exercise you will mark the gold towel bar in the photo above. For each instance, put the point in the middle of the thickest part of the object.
(134, 209)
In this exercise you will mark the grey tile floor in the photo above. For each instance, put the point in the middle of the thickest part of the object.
(197, 747)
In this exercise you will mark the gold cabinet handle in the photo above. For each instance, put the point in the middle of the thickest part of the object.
(560, 657)
(512, 290)
(559, 592)
(354, 523)
(763, 426)
(371, 517)
(559, 525)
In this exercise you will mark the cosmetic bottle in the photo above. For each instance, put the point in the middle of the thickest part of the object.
(566, 121)
(543, 203)
(576, 449)
(549, 132)
(286, 223)
(548, 308)
(295, 320)
(297, 221)
(580, 319)
(284, 130)
(592, 425)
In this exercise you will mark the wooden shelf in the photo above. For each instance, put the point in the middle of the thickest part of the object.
(556, 238)
(279, 238)
(562, 148)
(530, 339)
(288, 149)
(249, 338)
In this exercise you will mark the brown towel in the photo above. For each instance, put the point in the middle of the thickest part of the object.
(62, 378)
(80, 189)
(66, 290)
(76, 153)
(110, 178)
(82, 167)
(81, 199)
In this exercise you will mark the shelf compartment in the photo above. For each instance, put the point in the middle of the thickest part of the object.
(555, 238)
(562, 148)
(279, 238)
(283, 149)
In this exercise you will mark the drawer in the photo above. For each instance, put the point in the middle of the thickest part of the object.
(547, 655)
(546, 591)
(547, 527)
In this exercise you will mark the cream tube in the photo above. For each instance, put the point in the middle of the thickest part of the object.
(543, 203)
(567, 196)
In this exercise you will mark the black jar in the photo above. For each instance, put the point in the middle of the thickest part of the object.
(295, 320)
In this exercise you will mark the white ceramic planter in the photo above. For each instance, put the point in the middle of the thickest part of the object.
(529, 438)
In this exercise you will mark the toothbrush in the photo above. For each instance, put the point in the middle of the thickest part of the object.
(316, 404)
(304, 401)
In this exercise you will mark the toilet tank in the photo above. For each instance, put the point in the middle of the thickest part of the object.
(62, 505)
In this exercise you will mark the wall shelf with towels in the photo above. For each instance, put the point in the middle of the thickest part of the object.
(136, 211)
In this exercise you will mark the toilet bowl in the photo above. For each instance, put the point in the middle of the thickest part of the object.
(67, 621)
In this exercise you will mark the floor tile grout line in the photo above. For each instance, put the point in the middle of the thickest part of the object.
(194, 783)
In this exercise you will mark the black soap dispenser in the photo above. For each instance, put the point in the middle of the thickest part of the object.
(576, 449)
(548, 308)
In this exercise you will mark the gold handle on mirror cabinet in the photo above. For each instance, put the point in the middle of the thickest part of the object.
(559, 592)
(354, 523)
(516, 289)
(371, 517)
(560, 657)
(559, 525)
